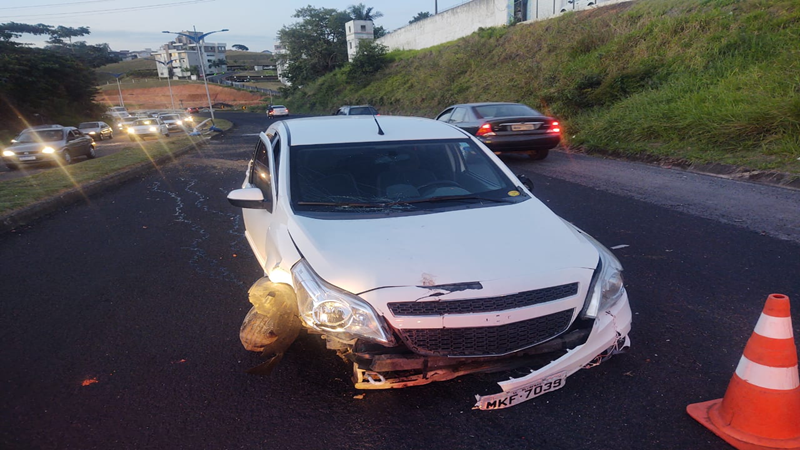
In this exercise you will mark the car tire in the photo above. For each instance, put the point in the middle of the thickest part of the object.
(12, 166)
(66, 158)
(133, 139)
(92, 154)
(110, 136)
(539, 155)
(166, 134)
(100, 137)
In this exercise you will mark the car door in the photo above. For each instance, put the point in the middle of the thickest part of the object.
(257, 221)
(75, 143)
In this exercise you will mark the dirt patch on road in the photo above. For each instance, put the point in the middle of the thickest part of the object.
(185, 96)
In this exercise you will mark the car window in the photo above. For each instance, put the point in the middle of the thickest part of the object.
(505, 110)
(261, 177)
(445, 116)
(362, 111)
(459, 115)
(73, 134)
(85, 125)
(381, 173)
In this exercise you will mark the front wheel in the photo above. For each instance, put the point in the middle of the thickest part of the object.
(12, 166)
(92, 154)
(66, 158)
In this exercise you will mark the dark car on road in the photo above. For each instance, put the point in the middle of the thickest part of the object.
(506, 127)
(356, 110)
(49, 143)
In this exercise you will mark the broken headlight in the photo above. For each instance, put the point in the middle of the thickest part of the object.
(334, 311)
(606, 287)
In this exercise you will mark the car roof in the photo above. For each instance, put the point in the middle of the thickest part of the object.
(487, 104)
(342, 129)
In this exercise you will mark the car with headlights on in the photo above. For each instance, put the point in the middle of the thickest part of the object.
(97, 130)
(175, 122)
(48, 144)
(506, 127)
(372, 232)
(147, 127)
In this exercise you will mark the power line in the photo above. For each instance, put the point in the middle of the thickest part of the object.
(58, 4)
(111, 11)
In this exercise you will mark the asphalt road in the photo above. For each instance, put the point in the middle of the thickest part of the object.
(120, 318)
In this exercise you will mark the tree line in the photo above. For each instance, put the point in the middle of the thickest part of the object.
(51, 84)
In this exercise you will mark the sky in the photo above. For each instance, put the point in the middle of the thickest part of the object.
(138, 24)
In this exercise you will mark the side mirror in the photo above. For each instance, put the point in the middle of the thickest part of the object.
(250, 198)
(526, 182)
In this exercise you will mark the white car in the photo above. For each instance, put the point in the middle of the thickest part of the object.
(117, 112)
(176, 122)
(277, 110)
(142, 128)
(381, 233)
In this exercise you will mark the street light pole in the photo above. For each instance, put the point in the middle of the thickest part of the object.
(117, 75)
(168, 64)
(197, 41)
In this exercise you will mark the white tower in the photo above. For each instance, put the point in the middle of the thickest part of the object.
(356, 30)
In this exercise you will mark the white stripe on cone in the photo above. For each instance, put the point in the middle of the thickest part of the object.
(774, 327)
(778, 378)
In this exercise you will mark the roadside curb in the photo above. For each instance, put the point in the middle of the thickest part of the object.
(771, 178)
(27, 214)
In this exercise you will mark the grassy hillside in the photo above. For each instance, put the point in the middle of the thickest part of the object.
(693, 80)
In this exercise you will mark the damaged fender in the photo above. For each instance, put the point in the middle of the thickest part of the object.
(272, 324)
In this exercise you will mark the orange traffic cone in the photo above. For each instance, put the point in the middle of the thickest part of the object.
(761, 408)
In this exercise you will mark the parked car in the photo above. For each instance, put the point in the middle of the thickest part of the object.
(221, 105)
(174, 122)
(192, 110)
(97, 130)
(48, 143)
(506, 127)
(373, 231)
(142, 128)
(277, 110)
(358, 110)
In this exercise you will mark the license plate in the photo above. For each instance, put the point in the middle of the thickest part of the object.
(522, 127)
(521, 394)
(27, 158)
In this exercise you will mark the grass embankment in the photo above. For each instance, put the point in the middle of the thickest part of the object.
(20, 192)
(710, 81)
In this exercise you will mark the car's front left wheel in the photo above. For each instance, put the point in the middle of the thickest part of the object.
(92, 153)
(66, 158)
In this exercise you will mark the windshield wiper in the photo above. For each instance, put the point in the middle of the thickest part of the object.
(446, 198)
(342, 204)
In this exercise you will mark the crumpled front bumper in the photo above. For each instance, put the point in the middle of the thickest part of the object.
(609, 336)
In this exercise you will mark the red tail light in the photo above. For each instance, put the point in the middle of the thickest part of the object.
(485, 129)
(554, 128)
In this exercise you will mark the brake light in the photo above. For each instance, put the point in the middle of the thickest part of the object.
(554, 128)
(485, 130)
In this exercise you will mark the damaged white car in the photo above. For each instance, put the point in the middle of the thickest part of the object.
(390, 236)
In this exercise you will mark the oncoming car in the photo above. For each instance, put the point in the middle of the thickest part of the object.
(97, 130)
(48, 144)
(142, 128)
(372, 231)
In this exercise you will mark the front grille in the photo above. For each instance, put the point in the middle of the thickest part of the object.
(486, 341)
(481, 305)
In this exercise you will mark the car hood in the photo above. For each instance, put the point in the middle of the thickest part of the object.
(481, 244)
(33, 147)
